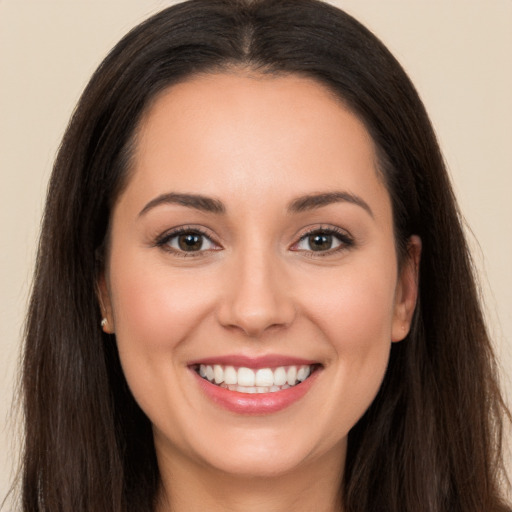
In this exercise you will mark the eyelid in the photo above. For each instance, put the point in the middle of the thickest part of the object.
(346, 239)
(163, 239)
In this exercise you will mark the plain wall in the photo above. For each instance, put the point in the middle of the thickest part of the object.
(458, 53)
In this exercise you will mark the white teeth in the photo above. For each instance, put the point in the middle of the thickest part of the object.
(280, 376)
(246, 380)
(303, 373)
(218, 374)
(246, 389)
(264, 377)
(246, 377)
(230, 375)
(291, 375)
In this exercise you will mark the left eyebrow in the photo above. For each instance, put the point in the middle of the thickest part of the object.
(313, 201)
(198, 202)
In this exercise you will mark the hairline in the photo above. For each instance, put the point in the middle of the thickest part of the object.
(256, 72)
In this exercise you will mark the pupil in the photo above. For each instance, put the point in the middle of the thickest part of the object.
(190, 242)
(320, 242)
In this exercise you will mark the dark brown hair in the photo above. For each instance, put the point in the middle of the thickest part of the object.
(431, 440)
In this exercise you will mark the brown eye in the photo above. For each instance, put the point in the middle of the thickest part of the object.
(323, 241)
(320, 242)
(187, 241)
(190, 242)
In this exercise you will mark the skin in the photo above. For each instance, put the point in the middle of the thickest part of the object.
(256, 144)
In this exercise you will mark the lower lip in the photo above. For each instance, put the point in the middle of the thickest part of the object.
(255, 403)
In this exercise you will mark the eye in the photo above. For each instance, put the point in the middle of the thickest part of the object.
(187, 241)
(323, 240)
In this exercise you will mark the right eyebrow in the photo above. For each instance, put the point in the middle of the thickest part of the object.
(196, 201)
(313, 201)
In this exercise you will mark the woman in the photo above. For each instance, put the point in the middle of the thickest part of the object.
(251, 202)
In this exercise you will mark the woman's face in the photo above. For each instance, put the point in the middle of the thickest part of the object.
(252, 246)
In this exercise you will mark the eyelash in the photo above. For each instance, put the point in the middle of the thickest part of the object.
(346, 241)
(164, 239)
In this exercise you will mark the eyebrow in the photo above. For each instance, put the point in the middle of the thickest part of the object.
(313, 201)
(198, 202)
(298, 205)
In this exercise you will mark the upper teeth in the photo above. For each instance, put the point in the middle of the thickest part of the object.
(263, 377)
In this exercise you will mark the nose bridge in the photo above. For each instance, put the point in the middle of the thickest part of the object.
(257, 297)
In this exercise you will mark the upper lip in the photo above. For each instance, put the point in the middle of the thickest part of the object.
(266, 361)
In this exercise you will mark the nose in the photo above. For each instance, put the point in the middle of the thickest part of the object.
(256, 296)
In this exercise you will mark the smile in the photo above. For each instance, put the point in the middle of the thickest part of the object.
(255, 385)
(261, 380)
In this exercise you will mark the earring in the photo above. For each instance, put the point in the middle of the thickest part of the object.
(104, 322)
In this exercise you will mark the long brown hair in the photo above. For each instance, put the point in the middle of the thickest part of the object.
(431, 440)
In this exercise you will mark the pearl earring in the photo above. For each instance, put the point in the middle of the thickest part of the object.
(104, 322)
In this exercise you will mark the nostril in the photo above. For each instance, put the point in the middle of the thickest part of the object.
(254, 319)
(256, 296)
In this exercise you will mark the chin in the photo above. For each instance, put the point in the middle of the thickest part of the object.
(265, 453)
(258, 465)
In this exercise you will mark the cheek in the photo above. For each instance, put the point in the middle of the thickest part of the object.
(156, 311)
(354, 312)
(154, 307)
(355, 307)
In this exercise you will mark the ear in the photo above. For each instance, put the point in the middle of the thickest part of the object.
(107, 318)
(407, 290)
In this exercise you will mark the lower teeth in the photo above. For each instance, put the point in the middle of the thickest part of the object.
(253, 389)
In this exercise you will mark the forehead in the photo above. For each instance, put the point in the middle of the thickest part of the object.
(252, 134)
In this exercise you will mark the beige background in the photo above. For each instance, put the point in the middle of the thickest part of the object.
(458, 53)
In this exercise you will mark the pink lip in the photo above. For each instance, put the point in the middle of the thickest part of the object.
(268, 361)
(257, 403)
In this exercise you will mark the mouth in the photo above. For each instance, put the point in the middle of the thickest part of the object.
(255, 381)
